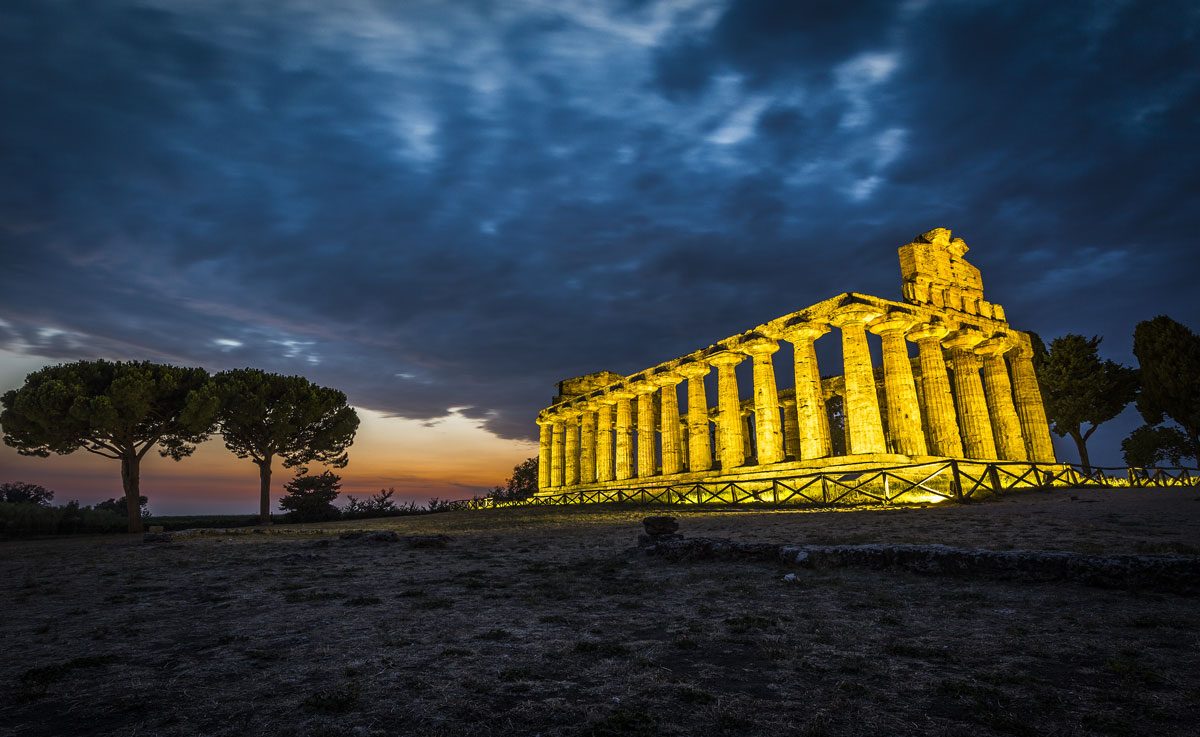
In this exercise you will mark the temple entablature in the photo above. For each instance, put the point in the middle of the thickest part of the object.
(969, 392)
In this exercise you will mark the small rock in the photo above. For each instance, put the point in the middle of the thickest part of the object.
(661, 525)
(790, 578)
(427, 541)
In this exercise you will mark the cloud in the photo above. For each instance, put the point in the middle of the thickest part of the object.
(451, 205)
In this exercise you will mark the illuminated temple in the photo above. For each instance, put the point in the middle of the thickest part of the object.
(968, 393)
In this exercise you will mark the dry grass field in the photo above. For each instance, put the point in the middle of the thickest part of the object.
(549, 622)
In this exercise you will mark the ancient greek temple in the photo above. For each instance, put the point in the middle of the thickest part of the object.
(968, 393)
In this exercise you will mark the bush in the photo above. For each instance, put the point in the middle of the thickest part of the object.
(26, 519)
(379, 505)
(310, 498)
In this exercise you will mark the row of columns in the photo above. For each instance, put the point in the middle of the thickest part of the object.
(987, 415)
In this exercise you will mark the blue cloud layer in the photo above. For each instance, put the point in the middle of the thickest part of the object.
(437, 205)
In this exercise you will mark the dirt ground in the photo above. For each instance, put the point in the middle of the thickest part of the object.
(548, 622)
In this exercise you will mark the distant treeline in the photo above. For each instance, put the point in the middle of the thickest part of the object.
(26, 510)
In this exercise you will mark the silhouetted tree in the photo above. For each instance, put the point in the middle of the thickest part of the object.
(310, 498)
(521, 485)
(117, 410)
(1080, 388)
(1150, 445)
(1169, 355)
(19, 492)
(121, 506)
(266, 415)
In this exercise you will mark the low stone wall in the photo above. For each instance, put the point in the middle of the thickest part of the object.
(1174, 573)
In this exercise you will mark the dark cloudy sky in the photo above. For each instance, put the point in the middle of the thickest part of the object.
(455, 204)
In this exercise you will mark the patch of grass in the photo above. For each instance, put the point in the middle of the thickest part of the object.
(1146, 621)
(623, 722)
(749, 623)
(494, 634)
(600, 648)
(1129, 667)
(436, 602)
(692, 695)
(553, 619)
(1108, 724)
(34, 682)
(335, 700)
(1168, 548)
(989, 706)
(908, 649)
(297, 597)
(518, 673)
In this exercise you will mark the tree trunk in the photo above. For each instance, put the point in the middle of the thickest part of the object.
(1195, 435)
(264, 484)
(1081, 445)
(131, 472)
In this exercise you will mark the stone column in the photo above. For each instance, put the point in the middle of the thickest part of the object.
(903, 411)
(791, 428)
(571, 453)
(672, 458)
(604, 440)
(545, 442)
(557, 452)
(973, 420)
(587, 444)
(864, 425)
(647, 456)
(699, 447)
(1030, 408)
(1006, 426)
(729, 421)
(766, 400)
(811, 414)
(944, 438)
(624, 435)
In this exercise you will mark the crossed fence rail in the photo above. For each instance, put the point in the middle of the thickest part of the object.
(933, 481)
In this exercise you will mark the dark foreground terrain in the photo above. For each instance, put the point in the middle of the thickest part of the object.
(547, 622)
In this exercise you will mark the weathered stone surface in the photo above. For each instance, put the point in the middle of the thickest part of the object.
(1175, 573)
